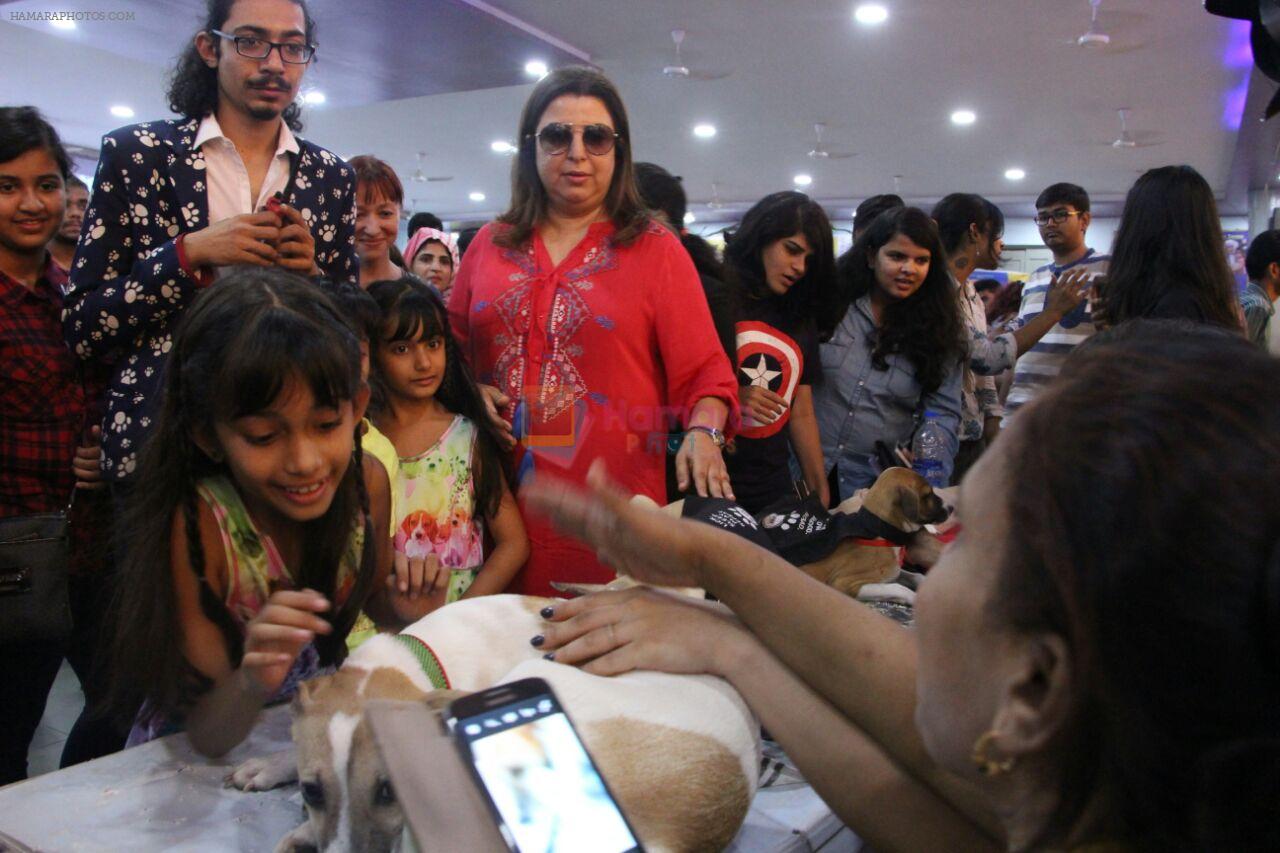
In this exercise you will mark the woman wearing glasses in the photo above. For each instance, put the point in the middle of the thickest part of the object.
(590, 321)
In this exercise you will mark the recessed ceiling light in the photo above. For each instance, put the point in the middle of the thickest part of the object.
(689, 218)
(476, 196)
(1015, 174)
(314, 97)
(501, 146)
(121, 111)
(704, 131)
(963, 117)
(870, 14)
(62, 24)
(536, 68)
(803, 180)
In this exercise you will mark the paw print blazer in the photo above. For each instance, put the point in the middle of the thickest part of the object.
(127, 288)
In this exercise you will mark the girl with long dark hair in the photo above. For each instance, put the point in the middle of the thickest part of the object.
(253, 539)
(780, 266)
(449, 486)
(1168, 260)
(896, 353)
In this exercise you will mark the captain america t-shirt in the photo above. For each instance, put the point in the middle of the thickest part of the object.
(778, 351)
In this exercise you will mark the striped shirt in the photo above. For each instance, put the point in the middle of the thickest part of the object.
(1040, 364)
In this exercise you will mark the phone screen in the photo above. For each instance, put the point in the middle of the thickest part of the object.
(542, 781)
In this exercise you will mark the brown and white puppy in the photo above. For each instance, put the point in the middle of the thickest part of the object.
(905, 501)
(680, 752)
(902, 499)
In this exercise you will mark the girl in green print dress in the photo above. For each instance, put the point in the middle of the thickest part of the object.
(449, 489)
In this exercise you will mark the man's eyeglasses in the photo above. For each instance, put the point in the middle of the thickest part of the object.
(1059, 216)
(556, 138)
(252, 47)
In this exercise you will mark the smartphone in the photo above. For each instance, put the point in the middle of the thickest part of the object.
(545, 791)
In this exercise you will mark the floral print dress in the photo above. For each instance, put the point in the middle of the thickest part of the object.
(436, 498)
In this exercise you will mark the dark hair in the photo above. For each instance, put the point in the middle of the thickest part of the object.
(376, 178)
(813, 298)
(237, 347)
(24, 129)
(982, 285)
(703, 255)
(1008, 301)
(956, 212)
(1263, 252)
(424, 220)
(193, 86)
(662, 191)
(873, 207)
(355, 306)
(1064, 193)
(1169, 243)
(465, 236)
(926, 326)
(412, 311)
(529, 197)
(1150, 465)
(73, 182)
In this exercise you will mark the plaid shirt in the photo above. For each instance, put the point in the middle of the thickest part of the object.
(41, 400)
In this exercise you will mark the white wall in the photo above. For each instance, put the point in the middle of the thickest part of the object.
(1021, 231)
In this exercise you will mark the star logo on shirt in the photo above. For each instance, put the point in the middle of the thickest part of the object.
(760, 375)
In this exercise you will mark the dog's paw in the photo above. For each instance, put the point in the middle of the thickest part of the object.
(265, 772)
(887, 592)
(301, 840)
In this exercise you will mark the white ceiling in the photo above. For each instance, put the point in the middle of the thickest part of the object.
(885, 94)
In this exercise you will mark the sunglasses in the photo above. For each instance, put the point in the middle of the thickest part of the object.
(555, 138)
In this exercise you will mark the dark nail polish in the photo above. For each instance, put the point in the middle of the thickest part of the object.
(537, 641)
(549, 656)
(547, 612)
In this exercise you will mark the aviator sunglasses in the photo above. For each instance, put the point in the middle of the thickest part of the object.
(555, 138)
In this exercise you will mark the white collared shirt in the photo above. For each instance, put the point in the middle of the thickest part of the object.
(227, 179)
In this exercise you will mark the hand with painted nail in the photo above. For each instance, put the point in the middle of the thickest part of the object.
(638, 541)
(277, 635)
(760, 404)
(608, 633)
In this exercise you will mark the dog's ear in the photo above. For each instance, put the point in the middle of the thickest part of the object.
(301, 699)
(909, 504)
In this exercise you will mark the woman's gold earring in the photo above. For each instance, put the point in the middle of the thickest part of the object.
(986, 765)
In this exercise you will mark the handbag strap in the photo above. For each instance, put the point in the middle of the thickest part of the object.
(84, 427)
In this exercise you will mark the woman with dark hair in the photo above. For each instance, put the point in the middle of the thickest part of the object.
(1167, 259)
(589, 319)
(44, 400)
(1041, 701)
(780, 267)
(895, 355)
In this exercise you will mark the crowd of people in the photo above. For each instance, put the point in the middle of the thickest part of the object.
(287, 433)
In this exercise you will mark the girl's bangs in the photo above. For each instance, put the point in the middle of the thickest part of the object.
(283, 345)
(415, 317)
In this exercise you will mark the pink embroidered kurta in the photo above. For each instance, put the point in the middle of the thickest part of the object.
(605, 354)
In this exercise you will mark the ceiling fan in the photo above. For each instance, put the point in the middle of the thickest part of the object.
(422, 177)
(1127, 140)
(715, 203)
(819, 151)
(680, 71)
(1094, 37)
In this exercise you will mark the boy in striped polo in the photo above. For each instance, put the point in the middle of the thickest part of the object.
(1062, 214)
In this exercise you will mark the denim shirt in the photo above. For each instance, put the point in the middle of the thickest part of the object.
(858, 405)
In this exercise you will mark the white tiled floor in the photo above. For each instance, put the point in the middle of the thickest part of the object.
(60, 713)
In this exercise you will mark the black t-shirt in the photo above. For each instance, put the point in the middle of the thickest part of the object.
(778, 351)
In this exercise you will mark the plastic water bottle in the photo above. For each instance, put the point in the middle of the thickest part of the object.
(928, 451)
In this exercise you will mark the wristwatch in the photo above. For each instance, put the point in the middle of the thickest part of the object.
(717, 437)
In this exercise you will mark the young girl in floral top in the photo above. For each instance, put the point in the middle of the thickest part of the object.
(450, 486)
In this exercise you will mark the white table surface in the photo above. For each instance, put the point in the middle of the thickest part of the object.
(163, 796)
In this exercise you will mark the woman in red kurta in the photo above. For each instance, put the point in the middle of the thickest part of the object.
(591, 321)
